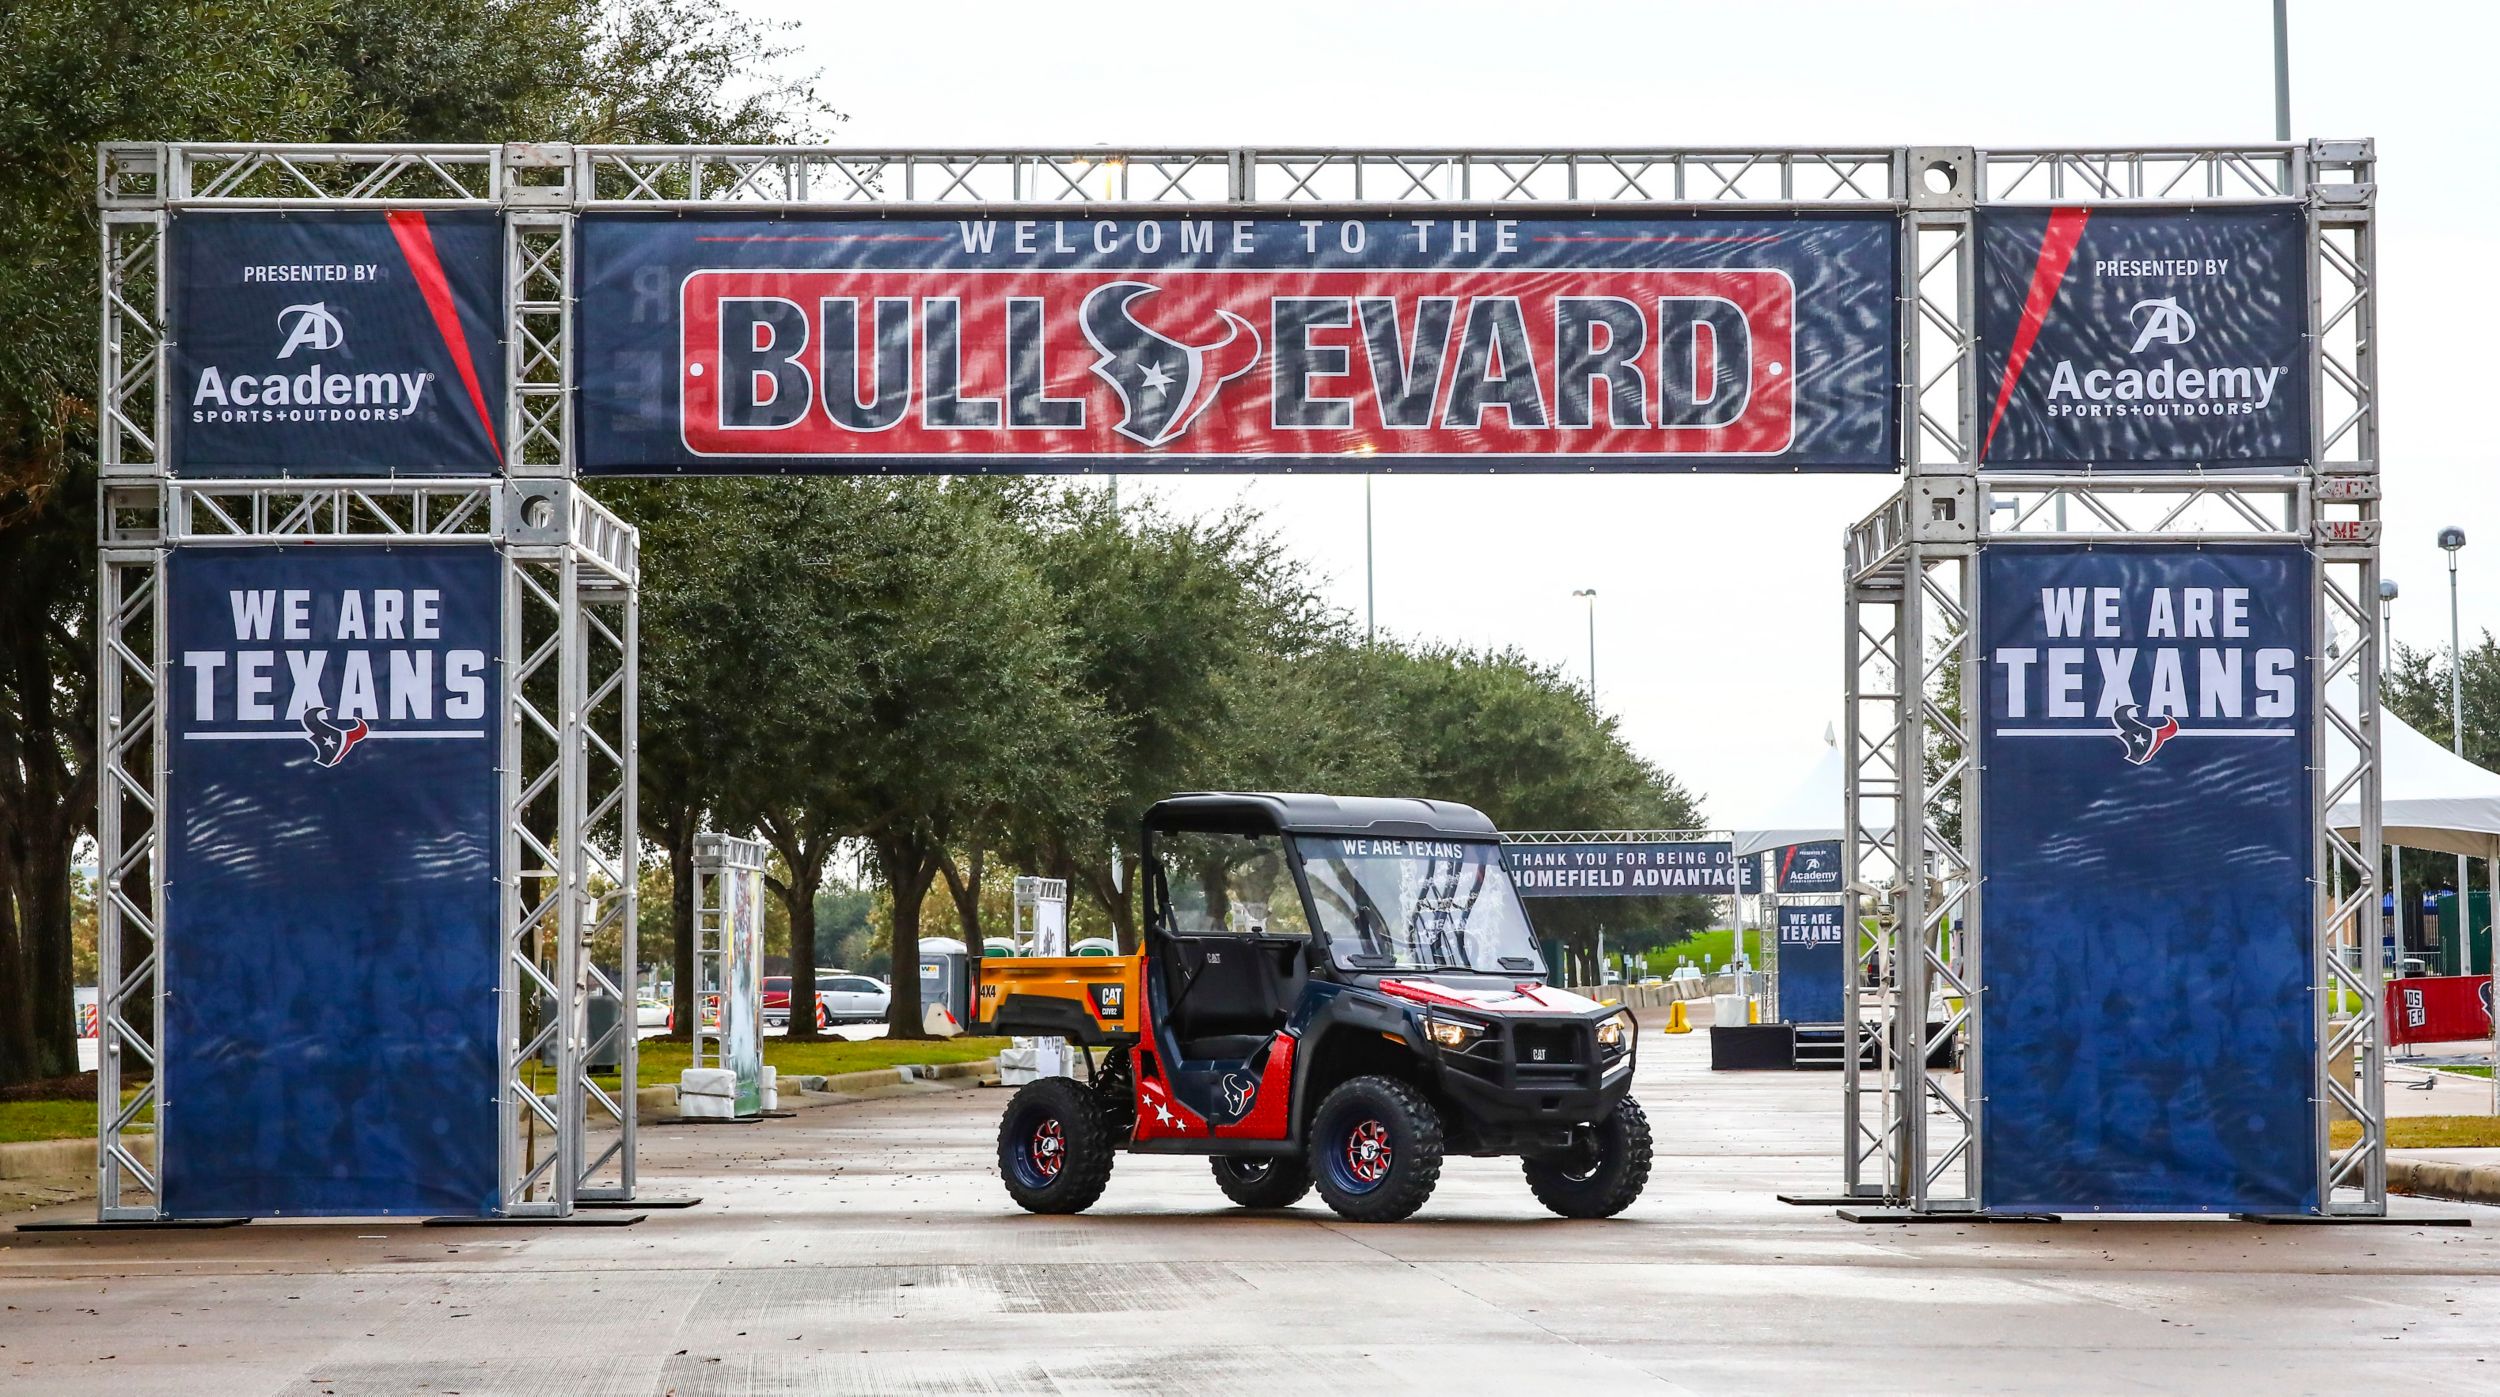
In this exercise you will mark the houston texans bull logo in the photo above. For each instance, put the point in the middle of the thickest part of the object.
(332, 741)
(2142, 739)
(1239, 1092)
(1164, 384)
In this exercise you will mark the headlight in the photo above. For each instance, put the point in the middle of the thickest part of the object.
(1614, 1032)
(1451, 1033)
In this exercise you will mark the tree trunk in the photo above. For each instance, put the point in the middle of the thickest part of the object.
(46, 936)
(45, 805)
(804, 846)
(679, 835)
(964, 886)
(800, 898)
(908, 868)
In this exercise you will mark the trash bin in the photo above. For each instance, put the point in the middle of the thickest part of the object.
(606, 1045)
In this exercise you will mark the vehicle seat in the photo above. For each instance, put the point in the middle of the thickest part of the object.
(1227, 993)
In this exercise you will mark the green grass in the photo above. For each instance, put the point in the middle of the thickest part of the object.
(1716, 946)
(53, 1120)
(2427, 1132)
(662, 1059)
(2468, 1071)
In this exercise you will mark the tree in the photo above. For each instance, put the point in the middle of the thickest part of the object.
(75, 72)
(974, 706)
(1166, 618)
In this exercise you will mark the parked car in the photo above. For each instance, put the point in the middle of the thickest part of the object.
(841, 998)
(649, 1012)
(850, 999)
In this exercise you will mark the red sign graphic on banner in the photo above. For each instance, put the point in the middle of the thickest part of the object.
(2439, 1009)
(970, 362)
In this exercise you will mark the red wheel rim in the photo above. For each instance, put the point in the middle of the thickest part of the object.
(1367, 1152)
(1049, 1148)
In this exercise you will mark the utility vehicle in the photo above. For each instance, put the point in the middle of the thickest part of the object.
(1330, 991)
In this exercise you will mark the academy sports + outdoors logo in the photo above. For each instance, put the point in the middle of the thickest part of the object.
(2160, 319)
(2172, 387)
(302, 393)
(309, 327)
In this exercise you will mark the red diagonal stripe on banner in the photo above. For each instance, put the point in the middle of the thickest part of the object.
(2057, 249)
(416, 243)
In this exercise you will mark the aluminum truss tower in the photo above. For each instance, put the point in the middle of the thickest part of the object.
(569, 850)
(1912, 861)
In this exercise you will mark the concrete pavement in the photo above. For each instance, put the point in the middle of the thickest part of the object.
(870, 1248)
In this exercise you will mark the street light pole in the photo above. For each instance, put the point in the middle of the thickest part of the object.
(1590, 593)
(1370, 600)
(2282, 71)
(2452, 542)
(2387, 593)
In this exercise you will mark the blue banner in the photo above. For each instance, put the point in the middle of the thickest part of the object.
(1809, 868)
(1813, 963)
(1662, 869)
(2144, 337)
(337, 344)
(331, 899)
(818, 343)
(2146, 865)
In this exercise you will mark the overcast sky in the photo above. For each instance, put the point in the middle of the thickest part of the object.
(1718, 622)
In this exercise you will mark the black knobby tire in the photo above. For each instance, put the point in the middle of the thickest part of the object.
(1262, 1182)
(1054, 1148)
(1602, 1179)
(1375, 1149)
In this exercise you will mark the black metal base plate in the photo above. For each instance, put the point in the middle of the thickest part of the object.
(602, 1219)
(709, 1120)
(1897, 1215)
(164, 1225)
(687, 1200)
(2310, 1220)
(1831, 1200)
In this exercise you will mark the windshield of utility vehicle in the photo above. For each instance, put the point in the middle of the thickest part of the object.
(1418, 904)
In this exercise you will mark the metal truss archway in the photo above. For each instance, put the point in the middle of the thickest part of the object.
(1910, 573)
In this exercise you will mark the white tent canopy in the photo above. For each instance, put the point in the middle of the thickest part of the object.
(1810, 811)
(2431, 797)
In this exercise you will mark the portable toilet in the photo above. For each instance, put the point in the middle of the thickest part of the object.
(946, 976)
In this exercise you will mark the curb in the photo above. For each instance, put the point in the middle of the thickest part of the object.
(52, 1160)
(2458, 1183)
(801, 1092)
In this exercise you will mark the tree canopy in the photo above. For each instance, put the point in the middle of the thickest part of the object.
(965, 678)
(77, 72)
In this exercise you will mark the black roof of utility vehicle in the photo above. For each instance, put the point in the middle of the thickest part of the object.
(1274, 812)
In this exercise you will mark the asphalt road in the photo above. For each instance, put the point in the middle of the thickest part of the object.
(869, 1248)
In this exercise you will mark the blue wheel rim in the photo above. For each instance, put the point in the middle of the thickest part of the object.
(1038, 1155)
(1360, 1156)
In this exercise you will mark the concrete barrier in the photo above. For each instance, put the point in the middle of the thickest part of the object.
(1656, 996)
(2431, 1178)
(59, 1159)
(655, 1102)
